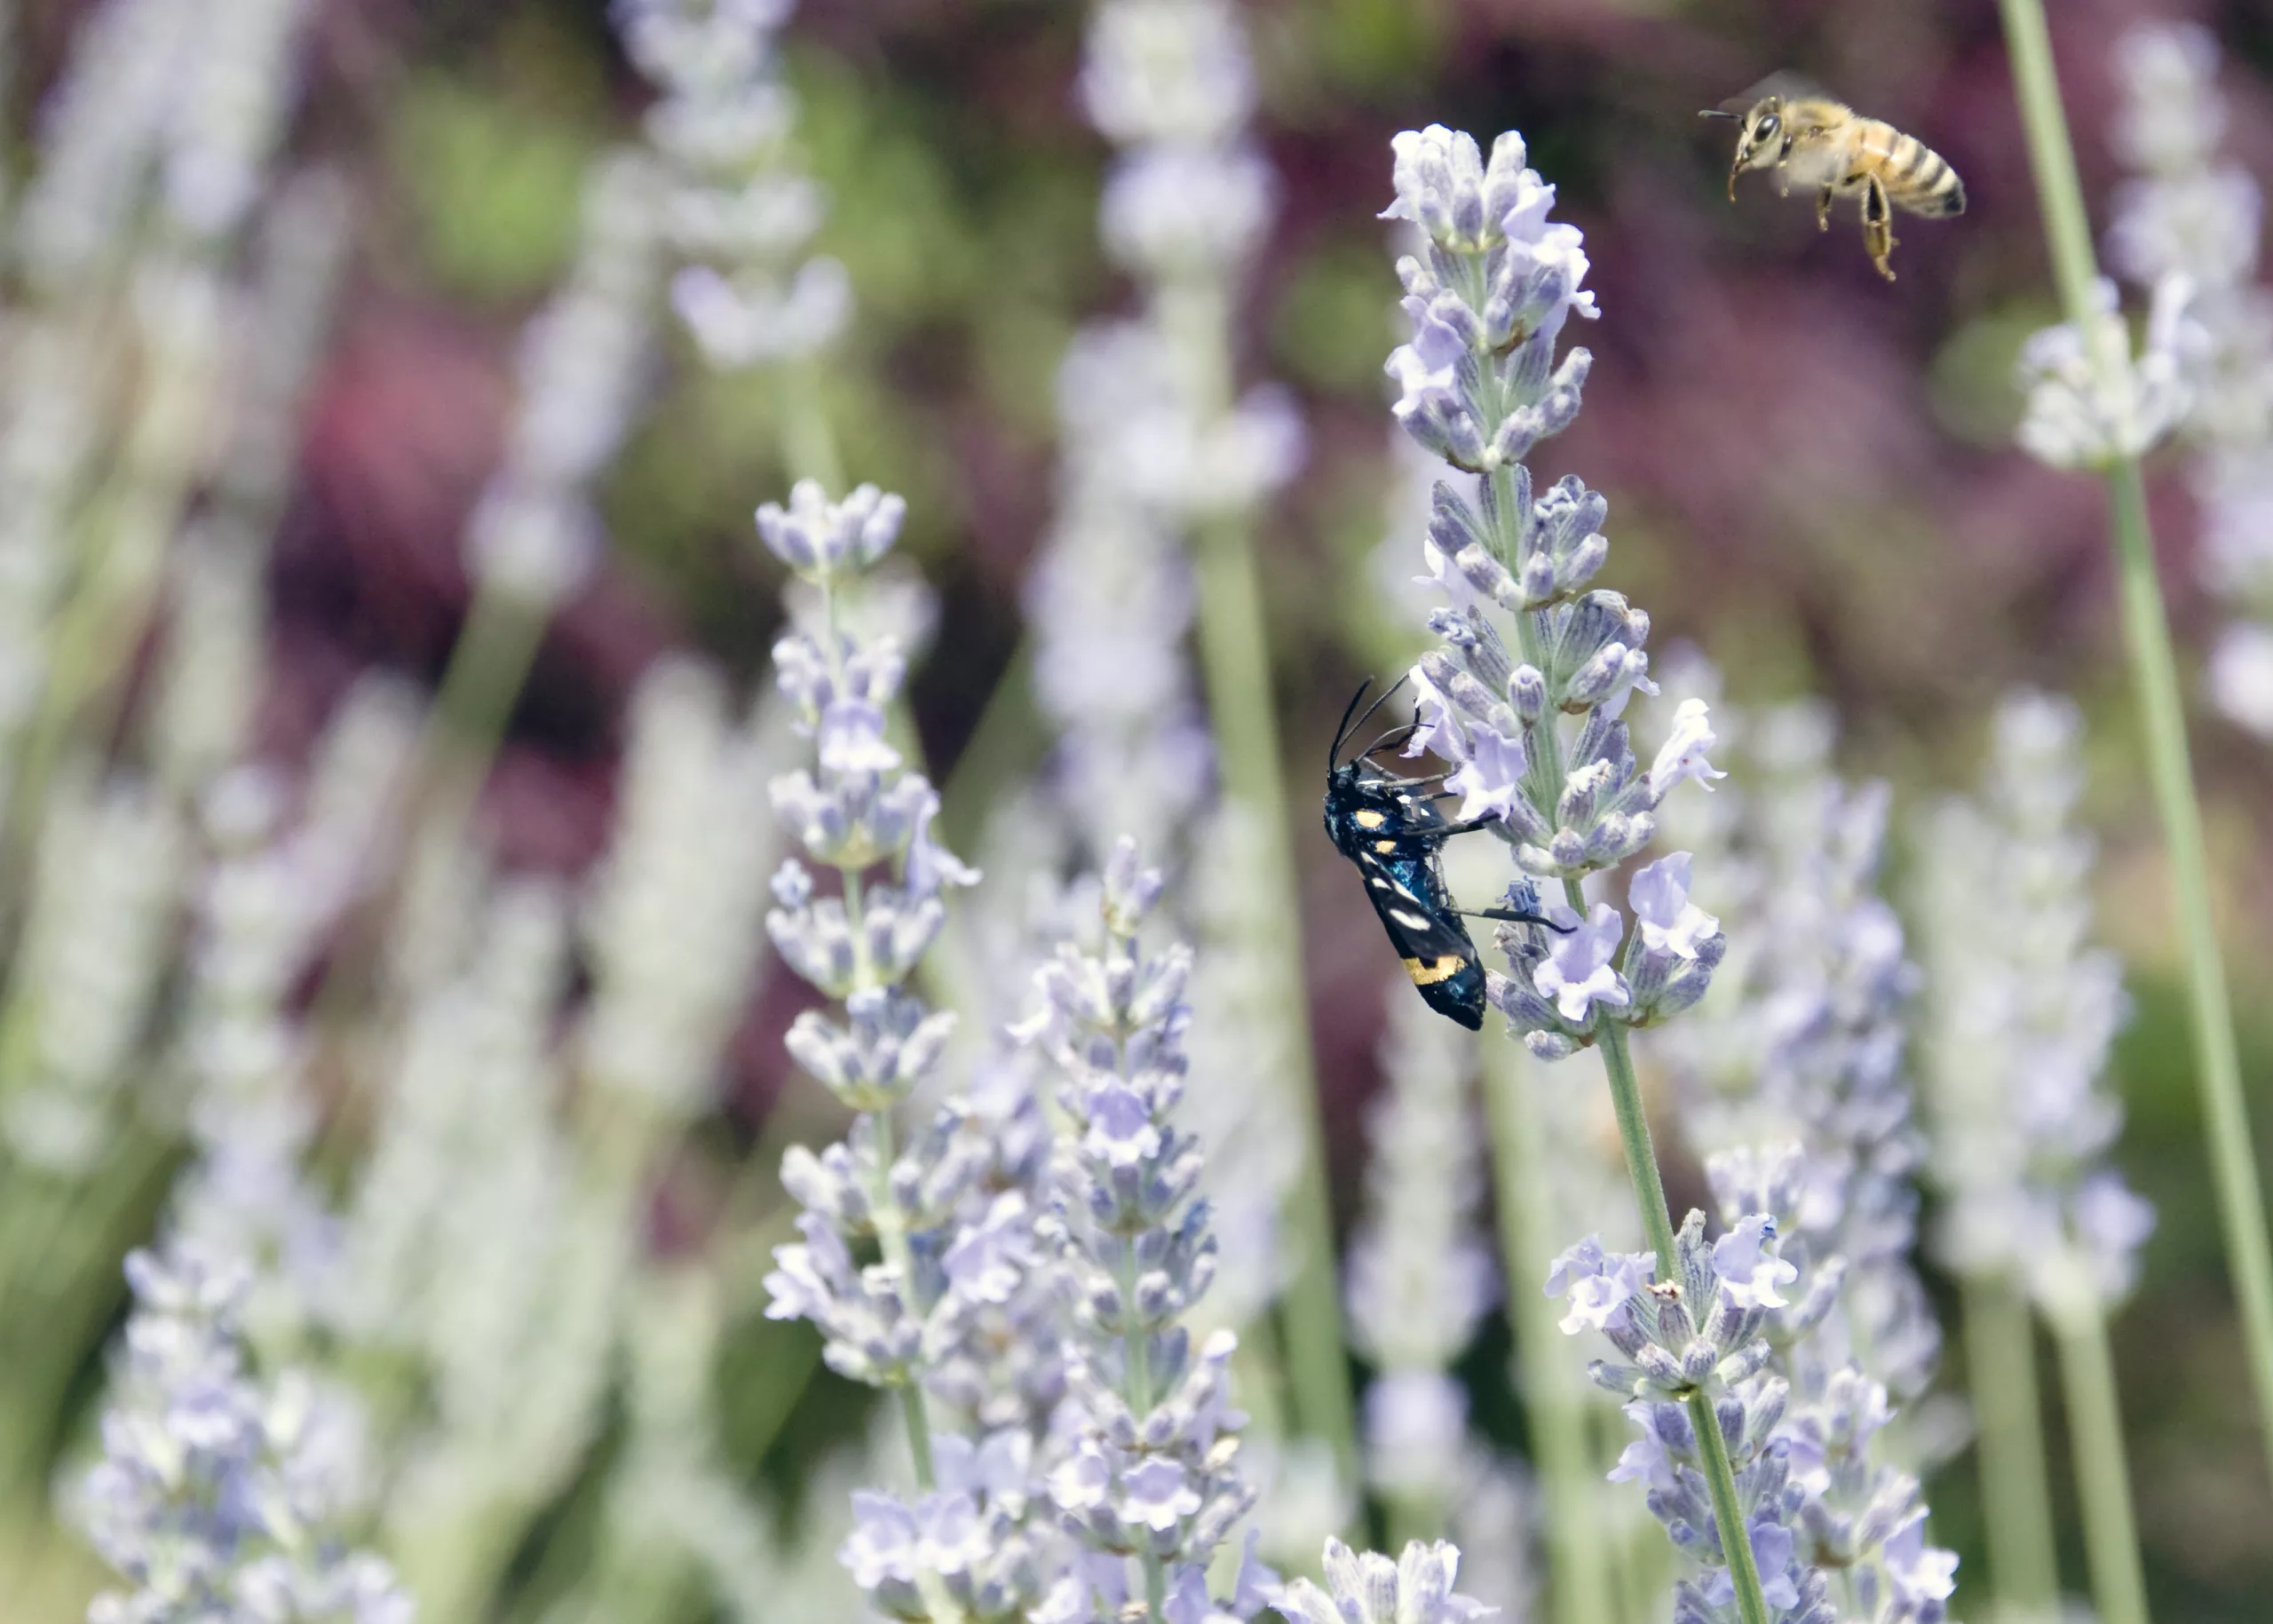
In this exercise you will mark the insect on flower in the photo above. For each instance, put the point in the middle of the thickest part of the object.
(1389, 826)
(1808, 139)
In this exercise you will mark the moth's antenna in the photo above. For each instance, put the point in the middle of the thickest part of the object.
(1342, 733)
(1350, 728)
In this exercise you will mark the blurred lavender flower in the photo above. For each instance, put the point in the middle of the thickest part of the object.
(1370, 1588)
(1804, 1041)
(99, 130)
(1154, 447)
(673, 920)
(2090, 402)
(215, 650)
(218, 1492)
(1110, 600)
(1480, 386)
(2017, 1023)
(2192, 215)
(1421, 1276)
(245, 1196)
(482, 1269)
(1147, 1469)
(533, 535)
(736, 213)
(231, 96)
(97, 937)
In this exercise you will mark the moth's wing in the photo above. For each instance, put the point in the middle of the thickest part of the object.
(1429, 937)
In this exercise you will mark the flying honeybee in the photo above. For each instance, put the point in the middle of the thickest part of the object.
(1811, 140)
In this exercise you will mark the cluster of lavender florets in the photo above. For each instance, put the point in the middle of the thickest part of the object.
(220, 1494)
(2193, 216)
(2017, 1027)
(1529, 711)
(854, 809)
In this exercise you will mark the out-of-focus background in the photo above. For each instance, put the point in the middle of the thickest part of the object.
(1811, 476)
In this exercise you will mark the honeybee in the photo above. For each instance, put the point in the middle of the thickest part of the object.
(1808, 139)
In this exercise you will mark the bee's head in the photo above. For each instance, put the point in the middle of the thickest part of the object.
(1762, 140)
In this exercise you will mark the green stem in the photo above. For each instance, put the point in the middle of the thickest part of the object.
(809, 449)
(893, 1239)
(2154, 673)
(1235, 654)
(1728, 1515)
(489, 666)
(2102, 1473)
(1554, 1400)
(2015, 1499)
(1656, 1223)
(1640, 1153)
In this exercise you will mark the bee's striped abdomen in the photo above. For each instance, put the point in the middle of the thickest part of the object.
(1916, 177)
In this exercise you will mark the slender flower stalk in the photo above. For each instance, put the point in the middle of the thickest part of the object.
(2019, 1022)
(2016, 1485)
(1480, 387)
(1185, 208)
(2225, 1115)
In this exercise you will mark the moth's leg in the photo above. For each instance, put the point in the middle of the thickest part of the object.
(1512, 917)
(1878, 226)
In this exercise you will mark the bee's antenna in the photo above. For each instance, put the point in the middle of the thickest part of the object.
(1718, 113)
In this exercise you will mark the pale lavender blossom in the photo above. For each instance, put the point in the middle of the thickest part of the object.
(734, 212)
(1525, 698)
(2195, 214)
(1149, 1474)
(1804, 1041)
(533, 535)
(1420, 1274)
(2091, 403)
(1368, 1587)
(1670, 922)
(2019, 1018)
(1577, 973)
(219, 1489)
(1713, 1330)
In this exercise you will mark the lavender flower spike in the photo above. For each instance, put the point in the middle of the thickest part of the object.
(218, 1494)
(1526, 699)
(2019, 1021)
(2195, 214)
(1148, 1474)
(857, 809)
(1370, 1589)
(1710, 1331)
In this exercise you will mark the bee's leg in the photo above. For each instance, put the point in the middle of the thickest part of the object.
(1822, 209)
(1878, 226)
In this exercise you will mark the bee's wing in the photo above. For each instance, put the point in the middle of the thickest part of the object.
(1783, 84)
